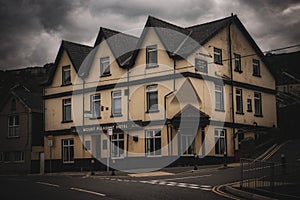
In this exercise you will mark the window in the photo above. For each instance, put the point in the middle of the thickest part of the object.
(68, 150)
(239, 101)
(249, 105)
(13, 126)
(95, 106)
(187, 145)
(218, 56)
(87, 145)
(201, 65)
(153, 142)
(237, 62)
(6, 156)
(256, 67)
(220, 141)
(66, 75)
(18, 156)
(257, 104)
(67, 110)
(116, 103)
(104, 66)
(13, 105)
(152, 98)
(219, 97)
(151, 56)
(117, 145)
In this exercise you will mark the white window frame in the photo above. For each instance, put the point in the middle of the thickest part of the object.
(237, 62)
(257, 102)
(152, 90)
(189, 144)
(151, 137)
(104, 66)
(67, 103)
(13, 129)
(22, 156)
(66, 70)
(239, 99)
(95, 99)
(220, 136)
(152, 49)
(116, 96)
(116, 141)
(219, 90)
(218, 56)
(68, 146)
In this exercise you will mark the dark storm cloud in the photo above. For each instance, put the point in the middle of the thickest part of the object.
(31, 30)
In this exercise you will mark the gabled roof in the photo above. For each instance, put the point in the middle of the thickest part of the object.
(76, 52)
(285, 66)
(122, 45)
(30, 99)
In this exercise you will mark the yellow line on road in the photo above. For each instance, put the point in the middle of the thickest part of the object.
(274, 151)
(217, 190)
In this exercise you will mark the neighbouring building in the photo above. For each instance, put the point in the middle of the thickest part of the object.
(172, 96)
(21, 140)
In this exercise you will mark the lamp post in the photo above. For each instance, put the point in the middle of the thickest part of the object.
(109, 133)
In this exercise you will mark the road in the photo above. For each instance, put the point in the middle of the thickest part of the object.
(197, 185)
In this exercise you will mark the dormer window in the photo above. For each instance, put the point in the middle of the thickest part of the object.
(151, 56)
(66, 75)
(104, 66)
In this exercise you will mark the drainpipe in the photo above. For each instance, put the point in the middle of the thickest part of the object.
(127, 140)
(231, 84)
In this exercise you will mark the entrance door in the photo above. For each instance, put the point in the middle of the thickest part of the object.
(187, 145)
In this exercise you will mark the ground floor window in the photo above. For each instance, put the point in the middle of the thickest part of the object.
(18, 156)
(220, 141)
(117, 145)
(187, 145)
(153, 142)
(68, 150)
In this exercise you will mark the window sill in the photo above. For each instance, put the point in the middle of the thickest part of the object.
(68, 121)
(257, 75)
(239, 113)
(220, 110)
(67, 84)
(152, 111)
(151, 66)
(218, 63)
(249, 110)
(116, 115)
(94, 118)
(239, 71)
(105, 75)
(12, 137)
(255, 115)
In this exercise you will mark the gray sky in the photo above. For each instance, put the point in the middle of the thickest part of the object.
(31, 30)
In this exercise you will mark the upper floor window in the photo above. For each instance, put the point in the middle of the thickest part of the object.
(237, 62)
(239, 100)
(256, 67)
(249, 105)
(13, 126)
(104, 66)
(13, 105)
(219, 104)
(68, 150)
(201, 65)
(66, 75)
(151, 56)
(95, 106)
(152, 98)
(218, 56)
(116, 98)
(257, 104)
(67, 110)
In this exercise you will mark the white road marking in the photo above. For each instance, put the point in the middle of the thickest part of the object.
(49, 184)
(89, 192)
(188, 177)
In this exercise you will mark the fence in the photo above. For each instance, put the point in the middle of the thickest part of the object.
(258, 174)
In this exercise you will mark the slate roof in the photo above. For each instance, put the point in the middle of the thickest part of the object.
(283, 65)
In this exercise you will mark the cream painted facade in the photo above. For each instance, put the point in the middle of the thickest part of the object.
(175, 91)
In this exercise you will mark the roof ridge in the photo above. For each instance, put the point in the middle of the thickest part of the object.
(169, 23)
(74, 43)
(206, 23)
(118, 32)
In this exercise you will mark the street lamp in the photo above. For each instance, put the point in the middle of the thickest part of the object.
(109, 133)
